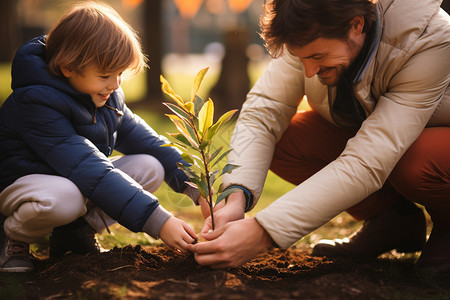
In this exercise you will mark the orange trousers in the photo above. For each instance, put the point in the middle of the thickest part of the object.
(422, 175)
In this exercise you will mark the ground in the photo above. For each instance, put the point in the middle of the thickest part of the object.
(156, 272)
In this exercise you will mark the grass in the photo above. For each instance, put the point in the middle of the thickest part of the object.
(5, 81)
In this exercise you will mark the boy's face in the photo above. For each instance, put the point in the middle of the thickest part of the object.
(95, 83)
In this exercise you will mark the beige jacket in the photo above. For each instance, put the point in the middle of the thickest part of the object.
(404, 89)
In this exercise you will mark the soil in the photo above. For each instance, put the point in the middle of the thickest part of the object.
(156, 272)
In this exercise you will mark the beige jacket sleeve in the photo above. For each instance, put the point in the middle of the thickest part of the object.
(270, 105)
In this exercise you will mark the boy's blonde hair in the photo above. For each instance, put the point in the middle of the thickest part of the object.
(92, 33)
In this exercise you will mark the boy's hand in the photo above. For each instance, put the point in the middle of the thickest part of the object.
(177, 234)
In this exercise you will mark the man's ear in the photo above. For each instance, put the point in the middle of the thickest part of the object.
(357, 24)
(66, 72)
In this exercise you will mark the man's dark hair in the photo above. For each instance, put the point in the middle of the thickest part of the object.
(296, 23)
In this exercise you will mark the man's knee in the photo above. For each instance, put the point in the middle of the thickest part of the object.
(423, 171)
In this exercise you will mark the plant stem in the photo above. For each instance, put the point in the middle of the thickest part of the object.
(209, 199)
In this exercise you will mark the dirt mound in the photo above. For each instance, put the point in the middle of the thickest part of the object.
(134, 272)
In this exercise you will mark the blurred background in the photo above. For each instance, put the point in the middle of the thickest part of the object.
(180, 37)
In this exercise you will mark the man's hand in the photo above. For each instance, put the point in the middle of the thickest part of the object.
(204, 207)
(233, 210)
(177, 234)
(232, 245)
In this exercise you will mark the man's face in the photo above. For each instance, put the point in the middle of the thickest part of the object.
(92, 81)
(329, 58)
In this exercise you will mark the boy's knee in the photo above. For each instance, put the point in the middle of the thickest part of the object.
(43, 209)
(63, 210)
(63, 204)
(143, 168)
(153, 173)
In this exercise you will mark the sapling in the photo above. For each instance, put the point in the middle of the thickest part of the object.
(196, 131)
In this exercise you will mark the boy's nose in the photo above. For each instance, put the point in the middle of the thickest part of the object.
(114, 83)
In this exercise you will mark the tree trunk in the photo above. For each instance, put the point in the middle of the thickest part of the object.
(9, 30)
(233, 84)
(153, 44)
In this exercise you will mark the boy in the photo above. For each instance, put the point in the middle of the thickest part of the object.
(64, 118)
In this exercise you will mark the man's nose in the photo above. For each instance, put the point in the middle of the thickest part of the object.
(311, 68)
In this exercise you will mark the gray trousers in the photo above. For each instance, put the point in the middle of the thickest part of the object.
(35, 204)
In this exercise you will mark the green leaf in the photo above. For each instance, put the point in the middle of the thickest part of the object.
(187, 157)
(177, 111)
(198, 103)
(167, 89)
(179, 139)
(225, 194)
(191, 131)
(203, 186)
(197, 82)
(190, 107)
(197, 165)
(205, 116)
(189, 173)
(203, 145)
(223, 119)
(212, 156)
(179, 123)
(221, 157)
(212, 177)
(192, 184)
(196, 168)
(183, 129)
(175, 145)
(228, 168)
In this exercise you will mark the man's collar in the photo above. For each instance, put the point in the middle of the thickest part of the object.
(373, 41)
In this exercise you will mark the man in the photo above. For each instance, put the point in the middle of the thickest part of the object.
(376, 75)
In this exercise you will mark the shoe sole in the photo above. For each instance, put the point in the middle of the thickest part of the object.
(409, 247)
(404, 248)
(16, 270)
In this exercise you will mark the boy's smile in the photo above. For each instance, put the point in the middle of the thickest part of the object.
(97, 84)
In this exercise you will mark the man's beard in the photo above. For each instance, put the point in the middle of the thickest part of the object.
(340, 72)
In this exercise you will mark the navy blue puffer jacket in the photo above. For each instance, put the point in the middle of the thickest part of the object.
(46, 127)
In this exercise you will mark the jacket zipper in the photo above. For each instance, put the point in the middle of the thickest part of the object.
(119, 113)
(107, 138)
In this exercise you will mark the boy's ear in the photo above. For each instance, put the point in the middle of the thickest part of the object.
(66, 72)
